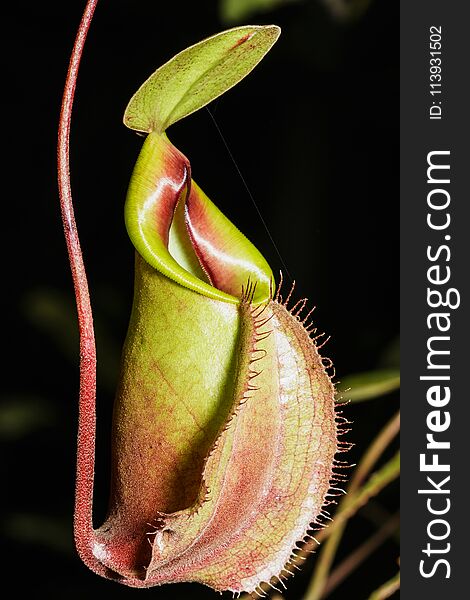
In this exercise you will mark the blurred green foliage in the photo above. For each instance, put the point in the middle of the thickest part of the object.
(367, 386)
(50, 532)
(235, 11)
(22, 415)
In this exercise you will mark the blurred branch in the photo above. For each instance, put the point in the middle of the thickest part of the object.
(348, 507)
(376, 514)
(356, 498)
(387, 589)
(374, 452)
(378, 480)
(362, 552)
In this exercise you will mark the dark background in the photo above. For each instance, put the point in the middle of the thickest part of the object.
(314, 130)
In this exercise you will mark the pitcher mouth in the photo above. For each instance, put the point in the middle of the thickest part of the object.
(182, 234)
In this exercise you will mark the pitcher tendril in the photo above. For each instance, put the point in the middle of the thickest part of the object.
(224, 430)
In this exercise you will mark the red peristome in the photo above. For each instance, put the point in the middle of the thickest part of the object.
(168, 190)
(202, 239)
(220, 254)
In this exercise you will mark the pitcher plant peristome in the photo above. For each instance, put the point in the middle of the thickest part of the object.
(224, 427)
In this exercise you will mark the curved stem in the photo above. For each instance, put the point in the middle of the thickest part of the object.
(83, 521)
